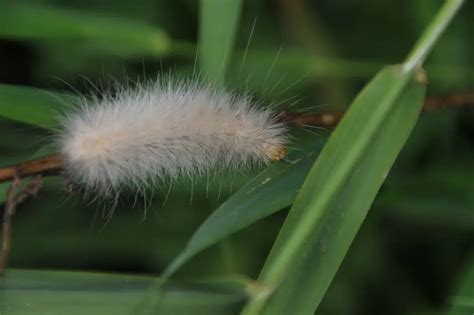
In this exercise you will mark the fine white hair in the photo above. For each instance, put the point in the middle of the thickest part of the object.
(157, 131)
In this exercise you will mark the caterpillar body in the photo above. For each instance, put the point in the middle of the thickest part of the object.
(165, 130)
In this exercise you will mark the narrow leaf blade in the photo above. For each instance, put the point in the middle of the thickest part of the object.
(117, 35)
(316, 265)
(338, 192)
(30, 106)
(272, 190)
(217, 29)
(25, 292)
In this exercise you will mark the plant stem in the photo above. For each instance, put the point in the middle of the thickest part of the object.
(431, 35)
(51, 164)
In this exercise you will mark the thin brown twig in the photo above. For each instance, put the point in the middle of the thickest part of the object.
(47, 165)
(53, 164)
(325, 120)
(331, 119)
(14, 196)
(453, 100)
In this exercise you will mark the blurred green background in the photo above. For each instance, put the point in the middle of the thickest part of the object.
(417, 242)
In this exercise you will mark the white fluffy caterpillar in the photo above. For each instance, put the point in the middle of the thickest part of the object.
(165, 130)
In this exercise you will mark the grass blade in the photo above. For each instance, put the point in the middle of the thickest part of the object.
(117, 35)
(343, 183)
(30, 106)
(342, 210)
(272, 190)
(25, 292)
(217, 29)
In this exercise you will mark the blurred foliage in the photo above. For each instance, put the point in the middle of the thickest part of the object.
(413, 250)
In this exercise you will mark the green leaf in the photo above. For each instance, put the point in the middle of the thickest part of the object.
(117, 35)
(272, 190)
(25, 292)
(346, 179)
(343, 183)
(217, 27)
(31, 106)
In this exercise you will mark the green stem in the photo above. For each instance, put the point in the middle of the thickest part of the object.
(431, 35)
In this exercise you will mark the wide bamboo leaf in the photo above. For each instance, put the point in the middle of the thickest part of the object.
(217, 27)
(339, 190)
(25, 292)
(117, 35)
(272, 190)
(31, 106)
(344, 181)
